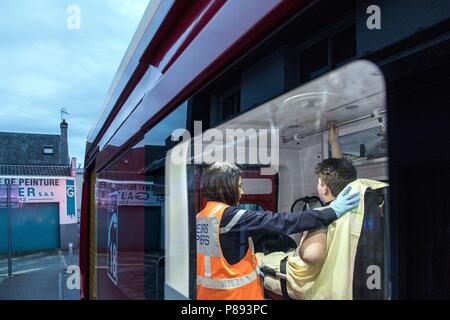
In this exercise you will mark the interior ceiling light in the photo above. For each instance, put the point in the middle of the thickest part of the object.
(309, 99)
(352, 107)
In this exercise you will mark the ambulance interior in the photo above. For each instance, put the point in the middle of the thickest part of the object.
(352, 97)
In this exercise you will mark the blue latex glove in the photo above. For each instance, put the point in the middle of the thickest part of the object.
(345, 202)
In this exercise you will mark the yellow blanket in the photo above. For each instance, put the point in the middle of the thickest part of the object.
(333, 279)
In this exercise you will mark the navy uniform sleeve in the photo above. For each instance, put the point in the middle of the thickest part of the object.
(257, 222)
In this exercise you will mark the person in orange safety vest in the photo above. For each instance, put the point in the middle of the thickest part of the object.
(226, 264)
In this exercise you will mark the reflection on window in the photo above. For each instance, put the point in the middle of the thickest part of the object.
(230, 105)
(251, 207)
(157, 142)
(314, 61)
(366, 144)
(331, 51)
(160, 134)
(344, 45)
(159, 139)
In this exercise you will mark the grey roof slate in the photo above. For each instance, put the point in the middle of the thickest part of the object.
(30, 170)
(27, 149)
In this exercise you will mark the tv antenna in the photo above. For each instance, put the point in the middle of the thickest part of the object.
(63, 112)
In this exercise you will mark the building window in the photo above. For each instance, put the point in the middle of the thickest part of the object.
(230, 105)
(225, 104)
(314, 61)
(49, 150)
(344, 45)
(331, 49)
(158, 140)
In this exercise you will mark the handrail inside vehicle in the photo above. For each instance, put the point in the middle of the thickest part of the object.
(349, 94)
(352, 93)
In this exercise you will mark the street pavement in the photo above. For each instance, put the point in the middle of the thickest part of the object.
(38, 276)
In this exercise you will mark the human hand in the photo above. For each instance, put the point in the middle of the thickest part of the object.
(333, 133)
(345, 202)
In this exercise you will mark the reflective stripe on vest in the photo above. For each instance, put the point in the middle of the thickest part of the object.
(241, 280)
(215, 210)
(233, 222)
(213, 248)
(227, 283)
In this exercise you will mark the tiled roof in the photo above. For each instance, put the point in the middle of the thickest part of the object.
(27, 149)
(27, 170)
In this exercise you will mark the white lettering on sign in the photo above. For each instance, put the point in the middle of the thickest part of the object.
(45, 182)
(36, 189)
(139, 198)
(70, 191)
(130, 193)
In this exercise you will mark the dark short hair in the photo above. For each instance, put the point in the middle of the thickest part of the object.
(220, 182)
(336, 174)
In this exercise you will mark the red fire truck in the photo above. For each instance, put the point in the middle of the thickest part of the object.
(288, 66)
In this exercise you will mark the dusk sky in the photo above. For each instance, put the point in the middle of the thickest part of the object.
(45, 66)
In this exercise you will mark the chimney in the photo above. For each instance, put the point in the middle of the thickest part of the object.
(64, 146)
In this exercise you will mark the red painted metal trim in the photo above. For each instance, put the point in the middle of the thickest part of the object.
(131, 85)
(207, 16)
(275, 18)
(182, 15)
(282, 11)
(84, 237)
(160, 44)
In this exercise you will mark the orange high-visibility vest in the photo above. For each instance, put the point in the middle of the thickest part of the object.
(216, 279)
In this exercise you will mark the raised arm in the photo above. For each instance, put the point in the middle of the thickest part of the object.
(333, 140)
